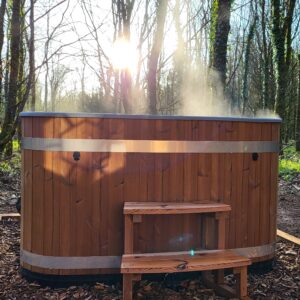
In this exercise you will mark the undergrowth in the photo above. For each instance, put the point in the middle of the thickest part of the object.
(289, 163)
(11, 165)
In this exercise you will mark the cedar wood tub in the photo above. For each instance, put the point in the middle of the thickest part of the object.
(79, 168)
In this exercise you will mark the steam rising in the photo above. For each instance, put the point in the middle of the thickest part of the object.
(202, 94)
(196, 91)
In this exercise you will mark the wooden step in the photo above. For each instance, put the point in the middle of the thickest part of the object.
(172, 208)
(181, 262)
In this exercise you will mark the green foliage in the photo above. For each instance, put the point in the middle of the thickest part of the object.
(16, 146)
(213, 27)
(289, 164)
(11, 166)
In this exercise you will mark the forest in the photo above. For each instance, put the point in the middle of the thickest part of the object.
(210, 57)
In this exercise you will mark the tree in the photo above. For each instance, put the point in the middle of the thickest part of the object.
(2, 13)
(122, 23)
(220, 27)
(32, 55)
(298, 110)
(10, 122)
(246, 62)
(155, 53)
(282, 18)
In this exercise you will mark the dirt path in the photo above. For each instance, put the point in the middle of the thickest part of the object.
(289, 206)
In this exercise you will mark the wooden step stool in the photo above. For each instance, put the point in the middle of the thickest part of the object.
(133, 265)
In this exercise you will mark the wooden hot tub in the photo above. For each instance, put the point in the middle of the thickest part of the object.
(78, 169)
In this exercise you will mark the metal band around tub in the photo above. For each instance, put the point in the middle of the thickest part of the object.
(113, 262)
(148, 146)
(70, 262)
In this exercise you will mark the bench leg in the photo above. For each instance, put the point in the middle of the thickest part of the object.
(220, 276)
(127, 286)
(241, 281)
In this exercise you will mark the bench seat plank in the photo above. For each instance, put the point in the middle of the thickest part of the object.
(201, 261)
(168, 208)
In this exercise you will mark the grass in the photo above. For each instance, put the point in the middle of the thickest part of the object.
(289, 163)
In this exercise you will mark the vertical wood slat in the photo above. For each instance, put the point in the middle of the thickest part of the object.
(146, 188)
(132, 176)
(96, 177)
(115, 186)
(244, 133)
(37, 217)
(254, 193)
(159, 241)
(26, 214)
(212, 133)
(239, 199)
(257, 190)
(234, 187)
(83, 209)
(67, 194)
(48, 130)
(174, 193)
(265, 175)
(191, 237)
(274, 186)
(104, 192)
(226, 175)
(56, 192)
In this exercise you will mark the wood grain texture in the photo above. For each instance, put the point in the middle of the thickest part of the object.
(169, 208)
(182, 262)
(26, 205)
(80, 203)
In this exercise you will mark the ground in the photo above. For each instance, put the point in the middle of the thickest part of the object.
(283, 282)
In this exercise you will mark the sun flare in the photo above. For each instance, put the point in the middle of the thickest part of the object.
(124, 55)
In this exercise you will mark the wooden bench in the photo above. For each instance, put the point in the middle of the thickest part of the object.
(133, 265)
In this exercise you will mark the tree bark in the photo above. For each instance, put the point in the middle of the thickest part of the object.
(9, 124)
(298, 110)
(265, 96)
(154, 55)
(2, 13)
(220, 27)
(281, 37)
(32, 55)
(246, 71)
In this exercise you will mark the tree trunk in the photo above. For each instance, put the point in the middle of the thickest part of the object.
(9, 124)
(246, 71)
(266, 101)
(154, 55)
(32, 56)
(2, 13)
(122, 19)
(281, 37)
(298, 110)
(220, 26)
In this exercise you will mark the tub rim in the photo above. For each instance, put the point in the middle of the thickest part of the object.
(147, 117)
